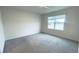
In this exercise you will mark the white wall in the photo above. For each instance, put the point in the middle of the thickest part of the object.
(18, 23)
(71, 30)
(2, 39)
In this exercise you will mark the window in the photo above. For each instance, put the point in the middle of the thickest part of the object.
(56, 22)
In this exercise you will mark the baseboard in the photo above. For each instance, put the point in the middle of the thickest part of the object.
(60, 37)
(21, 36)
(78, 47)
(3, 45)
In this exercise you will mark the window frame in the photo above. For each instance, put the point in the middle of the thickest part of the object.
(55, 22)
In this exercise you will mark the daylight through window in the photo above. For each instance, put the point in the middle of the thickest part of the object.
(56, 22)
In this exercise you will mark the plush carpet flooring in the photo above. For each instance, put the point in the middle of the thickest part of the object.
(40, 43)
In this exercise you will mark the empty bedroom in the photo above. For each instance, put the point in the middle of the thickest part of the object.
(39, 29)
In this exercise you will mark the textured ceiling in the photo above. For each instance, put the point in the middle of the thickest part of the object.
(39, 9)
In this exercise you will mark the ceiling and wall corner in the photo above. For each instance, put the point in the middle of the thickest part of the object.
(38, 9)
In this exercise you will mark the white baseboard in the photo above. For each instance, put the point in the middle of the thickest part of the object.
(2, 48)
(18, 36)
(78, 47)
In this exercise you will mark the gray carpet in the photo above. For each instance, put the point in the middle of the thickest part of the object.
(40, 43)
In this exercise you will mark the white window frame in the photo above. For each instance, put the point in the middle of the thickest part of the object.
(54, 18)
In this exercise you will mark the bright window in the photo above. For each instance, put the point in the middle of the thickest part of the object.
(56, 22)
